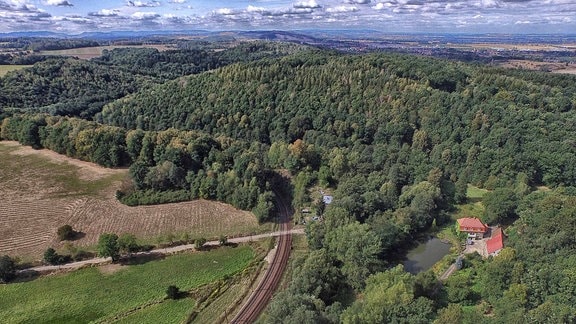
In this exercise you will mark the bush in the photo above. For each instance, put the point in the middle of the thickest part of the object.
(223, 240)
(173, 292)
(7, 268)
(51, 257)
(199, 243)
(66, 233)
(127, 243)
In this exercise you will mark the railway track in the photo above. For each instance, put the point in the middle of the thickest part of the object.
(266, 287)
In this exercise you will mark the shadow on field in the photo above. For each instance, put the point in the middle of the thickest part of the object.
(25, 276)
(473, 200)
(77, 236)
(141, 259)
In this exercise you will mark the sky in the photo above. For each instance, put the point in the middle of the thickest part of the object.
(393, 16)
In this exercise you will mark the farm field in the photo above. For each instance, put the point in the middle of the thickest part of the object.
(43, 190)
(540, 66)
(129, 293)
(7, 68)
(87, 53)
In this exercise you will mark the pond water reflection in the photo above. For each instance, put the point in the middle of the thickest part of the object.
(425, 255)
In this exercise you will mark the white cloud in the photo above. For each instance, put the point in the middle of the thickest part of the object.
(489, 3)
(105, 13)
(342, 9)
(16, 2)
(58, 3)
(312, 4)
(382, 5)
(534, 16)
(251, 8)
(358, 1)
(224, 11)
(143, 4)
(144, 15)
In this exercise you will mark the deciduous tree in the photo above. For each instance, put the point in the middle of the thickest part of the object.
(108, 246)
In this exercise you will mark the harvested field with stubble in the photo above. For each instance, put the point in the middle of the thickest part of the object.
(42, 190)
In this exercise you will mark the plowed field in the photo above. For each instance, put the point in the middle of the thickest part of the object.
(41, 191)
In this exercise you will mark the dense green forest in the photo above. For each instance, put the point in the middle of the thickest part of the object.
(395, 138)
(67, 86)
(43, 43)
(73, 87)
(475, 123)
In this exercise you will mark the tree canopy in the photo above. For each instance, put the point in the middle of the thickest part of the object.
(108, 246)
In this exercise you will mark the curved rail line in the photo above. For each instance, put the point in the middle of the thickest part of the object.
(265, 289)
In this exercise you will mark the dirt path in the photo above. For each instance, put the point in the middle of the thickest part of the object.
(163, 251)
(448, 272)
(451, 269)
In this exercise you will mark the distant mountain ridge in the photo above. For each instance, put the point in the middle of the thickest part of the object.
(310, 36)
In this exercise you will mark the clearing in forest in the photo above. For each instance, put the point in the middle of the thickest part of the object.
(7, 68)
(87, 53)
(42, 190)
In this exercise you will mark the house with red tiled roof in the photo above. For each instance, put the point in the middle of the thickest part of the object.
(473, 226)
(495, 243)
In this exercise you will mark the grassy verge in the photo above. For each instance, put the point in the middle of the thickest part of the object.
(226, 298)
(136, 290)
(218, 310)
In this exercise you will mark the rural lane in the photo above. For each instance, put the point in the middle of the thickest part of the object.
(162, 251)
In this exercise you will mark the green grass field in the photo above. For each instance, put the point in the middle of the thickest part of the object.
(93, 295)
(473, 192)
(7, 68)
(472, 208)
(169, 311)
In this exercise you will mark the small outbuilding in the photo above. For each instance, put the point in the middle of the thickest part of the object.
(327, 199)
(473, 226)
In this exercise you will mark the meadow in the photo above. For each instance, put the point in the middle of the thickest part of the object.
(124, 293)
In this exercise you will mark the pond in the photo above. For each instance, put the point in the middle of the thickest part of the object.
(425, 255)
